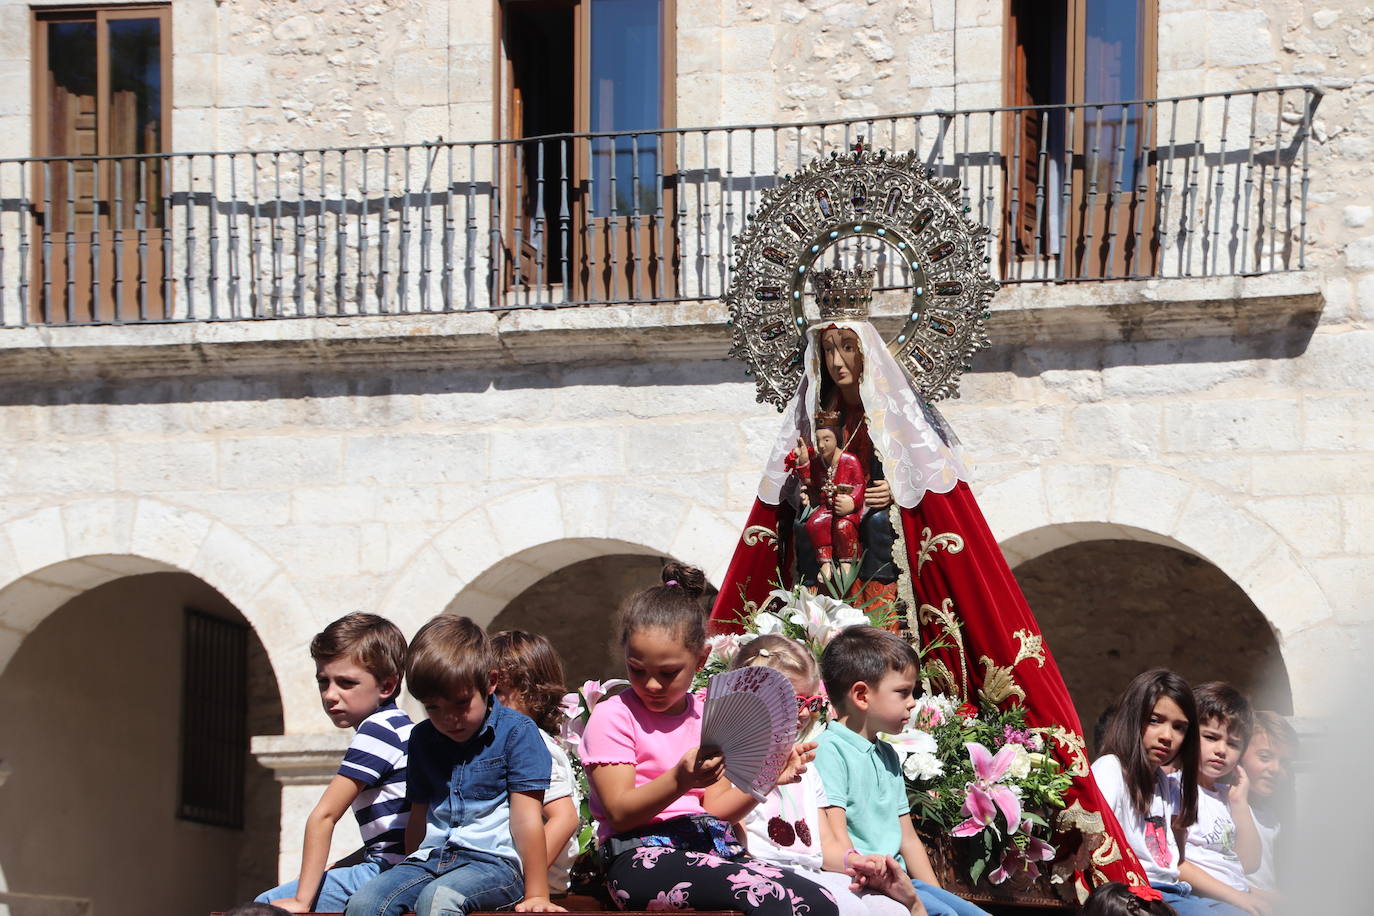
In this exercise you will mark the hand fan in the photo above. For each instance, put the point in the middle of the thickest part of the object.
(751, 715)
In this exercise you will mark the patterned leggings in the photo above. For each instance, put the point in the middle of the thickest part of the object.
(663, 878)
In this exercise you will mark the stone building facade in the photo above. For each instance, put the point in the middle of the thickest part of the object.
(1180, 469)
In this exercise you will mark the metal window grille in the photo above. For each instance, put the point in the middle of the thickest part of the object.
(214, 732)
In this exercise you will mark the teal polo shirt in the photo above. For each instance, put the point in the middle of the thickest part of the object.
(865, 779)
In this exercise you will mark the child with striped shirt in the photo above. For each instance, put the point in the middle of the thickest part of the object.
(359, 660)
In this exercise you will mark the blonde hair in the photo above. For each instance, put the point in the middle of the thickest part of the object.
(786, 655)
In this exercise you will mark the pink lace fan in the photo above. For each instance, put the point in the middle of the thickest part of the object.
(751, 716)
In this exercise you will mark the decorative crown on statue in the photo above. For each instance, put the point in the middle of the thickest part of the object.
(843, 294)
(829, 419)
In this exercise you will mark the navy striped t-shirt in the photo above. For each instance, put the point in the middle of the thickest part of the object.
(377, 759)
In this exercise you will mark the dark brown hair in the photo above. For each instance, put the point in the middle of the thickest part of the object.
(863, 653)
(374, 643)
(531, 669)
(1125, 739)
(674, 607)
(787, 655)
(1116, 899)
(1218, 701)
(450, 656)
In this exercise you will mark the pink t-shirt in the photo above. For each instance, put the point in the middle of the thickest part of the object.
(623, 730)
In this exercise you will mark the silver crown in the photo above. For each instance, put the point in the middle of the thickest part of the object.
(843, 294)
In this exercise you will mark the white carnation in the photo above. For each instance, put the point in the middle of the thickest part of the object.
(921, 766)
(1020, 764)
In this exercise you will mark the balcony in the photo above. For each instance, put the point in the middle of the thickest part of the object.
(1206, 186)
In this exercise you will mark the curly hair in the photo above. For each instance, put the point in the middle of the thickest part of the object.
(529, 665)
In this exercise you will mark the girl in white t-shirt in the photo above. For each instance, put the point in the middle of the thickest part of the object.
(787, 827)
(1154, 727)
(529, 679)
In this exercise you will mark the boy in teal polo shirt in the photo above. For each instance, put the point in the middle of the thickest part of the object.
(870, 676)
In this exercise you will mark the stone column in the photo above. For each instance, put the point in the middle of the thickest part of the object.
(304, 765)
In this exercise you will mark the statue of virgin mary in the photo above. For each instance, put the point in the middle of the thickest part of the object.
(923, 536)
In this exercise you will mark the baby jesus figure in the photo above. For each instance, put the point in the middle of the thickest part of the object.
(833, 481)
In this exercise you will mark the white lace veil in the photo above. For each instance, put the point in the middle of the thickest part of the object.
(919, 451)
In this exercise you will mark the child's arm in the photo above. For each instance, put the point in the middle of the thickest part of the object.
(629, 806)
(914, 854)
(560, 823)
(527, 832)
(1205, 885)
(319, 830)
(841, 856)
(728, 803)
(1249, 848)
(415, 826)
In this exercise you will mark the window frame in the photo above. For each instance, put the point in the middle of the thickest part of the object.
(100, 14)
(1073, 90)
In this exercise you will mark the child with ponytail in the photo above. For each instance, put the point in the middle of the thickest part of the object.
(664, 809)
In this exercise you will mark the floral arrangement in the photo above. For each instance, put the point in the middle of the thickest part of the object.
(812, 620)
(980, 775)
(577, 709)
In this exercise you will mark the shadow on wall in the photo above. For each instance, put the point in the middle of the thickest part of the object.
(1110, 609)
(92, 721)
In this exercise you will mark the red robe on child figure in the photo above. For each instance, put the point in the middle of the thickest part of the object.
(834, 482)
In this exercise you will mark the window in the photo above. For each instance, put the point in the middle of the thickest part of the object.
(590, 212)
(214, 724)
(1078, 184)
(100, 90)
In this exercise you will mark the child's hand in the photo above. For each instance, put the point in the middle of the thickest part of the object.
(292, 905)
(538, 905)
(700, 767)
(801, 755)
(1240, 788)
(882, 875)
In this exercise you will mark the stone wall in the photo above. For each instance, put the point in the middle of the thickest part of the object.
(412, 464)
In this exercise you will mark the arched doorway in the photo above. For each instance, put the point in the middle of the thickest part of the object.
(107, 696)
(575, 608)
(1112, 608)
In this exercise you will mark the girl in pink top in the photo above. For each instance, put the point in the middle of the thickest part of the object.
(664, 807)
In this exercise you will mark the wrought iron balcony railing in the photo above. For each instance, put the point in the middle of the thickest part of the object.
(1197, 186)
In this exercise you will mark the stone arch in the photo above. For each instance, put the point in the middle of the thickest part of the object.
(494, 552)
(1039, 510)
(49, 556)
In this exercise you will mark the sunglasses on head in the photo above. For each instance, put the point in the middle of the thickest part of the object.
(811, 704)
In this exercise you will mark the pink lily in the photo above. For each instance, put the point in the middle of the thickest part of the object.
(1016, 860)
(985, 796)
(594, 691)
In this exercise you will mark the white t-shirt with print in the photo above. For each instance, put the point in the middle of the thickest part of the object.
(561, 785)
(1212, 840)
(1265, 877)
(1151, 837)
(798, 810)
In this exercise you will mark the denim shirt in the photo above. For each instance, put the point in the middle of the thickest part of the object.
(467, 785)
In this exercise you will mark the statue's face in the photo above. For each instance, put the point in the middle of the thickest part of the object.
(826, 443)
(844, 361)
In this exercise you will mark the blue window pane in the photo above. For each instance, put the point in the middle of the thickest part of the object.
(626, 94)
(1114, 72)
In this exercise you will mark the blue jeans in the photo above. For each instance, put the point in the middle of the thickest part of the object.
(940, 902)
(451, 882)
(1186, 903)
(338, 885)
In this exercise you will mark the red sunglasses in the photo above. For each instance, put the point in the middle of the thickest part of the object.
(811, 704)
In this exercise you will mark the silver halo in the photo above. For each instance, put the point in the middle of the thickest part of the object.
(861, 194)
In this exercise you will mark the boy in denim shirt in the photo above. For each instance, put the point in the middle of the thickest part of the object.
(478, 772)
